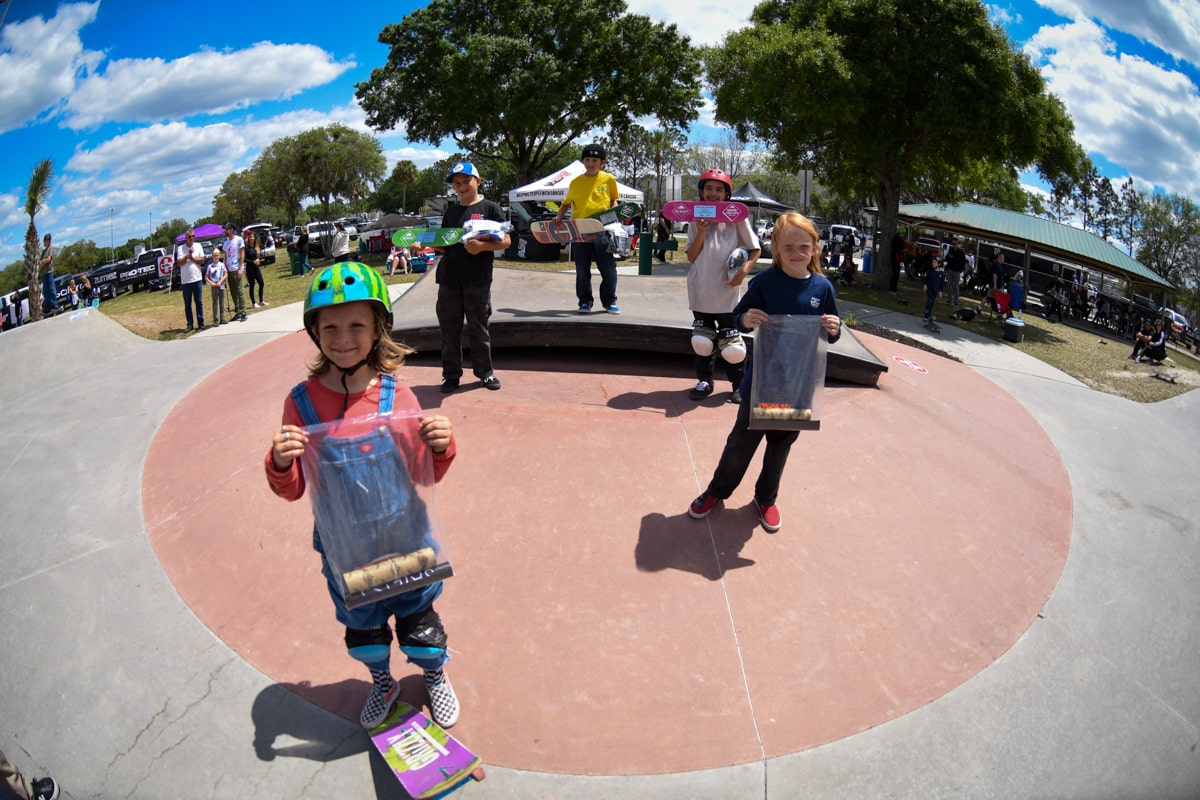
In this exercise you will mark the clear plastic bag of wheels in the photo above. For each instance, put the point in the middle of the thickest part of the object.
(372, 489)
(788, 379)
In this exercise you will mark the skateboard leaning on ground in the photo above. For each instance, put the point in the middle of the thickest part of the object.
(693, 210)
(427, 237)
(931, 325)
(617, 213)
(571, 230)
(427, 760)
(1162, 374)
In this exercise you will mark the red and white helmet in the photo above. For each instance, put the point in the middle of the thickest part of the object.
(716, 175)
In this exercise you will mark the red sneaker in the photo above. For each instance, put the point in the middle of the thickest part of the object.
(768, 514)
(702, 505)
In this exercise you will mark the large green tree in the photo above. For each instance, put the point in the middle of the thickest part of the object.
(517, 81)
(277, 173)
(239, 199)
(872, 93)
(36, 194)
(338, 161)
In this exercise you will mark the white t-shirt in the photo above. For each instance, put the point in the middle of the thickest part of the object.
(707, 290)
(190, 271)
(234, 248)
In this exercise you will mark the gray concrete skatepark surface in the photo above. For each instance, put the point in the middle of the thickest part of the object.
(110, 683)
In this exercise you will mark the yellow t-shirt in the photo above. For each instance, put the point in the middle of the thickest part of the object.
(590, 195)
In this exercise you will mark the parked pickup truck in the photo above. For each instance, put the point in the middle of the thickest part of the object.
(110, 280)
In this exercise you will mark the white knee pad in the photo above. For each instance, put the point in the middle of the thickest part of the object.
(703, 338)
(732, 346)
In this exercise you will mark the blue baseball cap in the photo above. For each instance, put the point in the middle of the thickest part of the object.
(463, 168)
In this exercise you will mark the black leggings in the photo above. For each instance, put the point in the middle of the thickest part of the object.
(253, 276)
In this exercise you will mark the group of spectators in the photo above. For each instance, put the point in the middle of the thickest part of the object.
(227, 270)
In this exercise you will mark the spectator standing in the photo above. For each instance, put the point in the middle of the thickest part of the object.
(956, 264)
(190, 258)
(934, 279)
(464, 279)
(302, 249)
(37, 789)
(713, 287)
(662, 233)
(341, 243)
(897, 249)
(85, 290)
(999, 277)
(591, 193)
(73, 293)
(46, 267)
(254, 269)
(215, 277)
(235, 268)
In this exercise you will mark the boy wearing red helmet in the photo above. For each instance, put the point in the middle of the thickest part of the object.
(715, 251)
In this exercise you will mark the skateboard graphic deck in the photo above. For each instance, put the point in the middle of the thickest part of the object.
(426, 759)
(618, 213)
(427, 237)
(692, 210)
(571, 230)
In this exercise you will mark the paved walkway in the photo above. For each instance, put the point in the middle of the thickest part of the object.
(936, 619)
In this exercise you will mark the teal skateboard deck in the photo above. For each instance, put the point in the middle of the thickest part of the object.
(693, 210)
(427, 760)
(618, 213)
(427, 237)
(567, 231)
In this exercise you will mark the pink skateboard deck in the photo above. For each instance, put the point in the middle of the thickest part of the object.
(692, 210)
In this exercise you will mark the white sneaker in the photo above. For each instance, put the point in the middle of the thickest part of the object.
(443, 703)
(378, 706)
(256, 305)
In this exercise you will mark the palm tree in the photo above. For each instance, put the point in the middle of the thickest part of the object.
(405, 173)
(35, 197)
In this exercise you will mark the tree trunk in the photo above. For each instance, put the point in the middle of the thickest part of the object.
(887, 199)
(31, 274)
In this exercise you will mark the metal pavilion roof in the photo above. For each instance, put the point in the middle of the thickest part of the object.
(1059, 241)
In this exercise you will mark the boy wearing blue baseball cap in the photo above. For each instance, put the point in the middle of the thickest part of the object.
(464, 278)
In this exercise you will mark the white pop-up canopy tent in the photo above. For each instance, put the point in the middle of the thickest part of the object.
(554, 187)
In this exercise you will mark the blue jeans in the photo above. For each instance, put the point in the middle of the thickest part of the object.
(740, 447)
(584, 254)
(193, 293)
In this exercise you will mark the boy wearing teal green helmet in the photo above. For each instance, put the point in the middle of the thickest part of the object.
(348, 315)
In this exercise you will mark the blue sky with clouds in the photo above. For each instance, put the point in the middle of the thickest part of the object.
(145, 108)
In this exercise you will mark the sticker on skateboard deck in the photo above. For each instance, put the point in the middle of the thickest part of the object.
(617, 213)
(426, 759)
(692, 210)
(571, 230)
(427, 237)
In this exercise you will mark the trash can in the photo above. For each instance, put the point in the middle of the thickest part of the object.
(866, 267)
(297, 262)
(1014, 329)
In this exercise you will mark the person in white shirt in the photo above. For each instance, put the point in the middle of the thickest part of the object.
(190, 258)
(341, 243)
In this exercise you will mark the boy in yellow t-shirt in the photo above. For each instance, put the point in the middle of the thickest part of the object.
(590, 193)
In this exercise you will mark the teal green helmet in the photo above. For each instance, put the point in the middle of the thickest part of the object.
(346, 282)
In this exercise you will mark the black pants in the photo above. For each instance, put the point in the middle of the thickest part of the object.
(254, 275)
(473, 302)
(740, 447)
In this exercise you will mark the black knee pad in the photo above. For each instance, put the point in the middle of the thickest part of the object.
(423, 629)
(356, 637)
